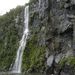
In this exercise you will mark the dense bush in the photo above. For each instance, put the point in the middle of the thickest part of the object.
(9, 38)
(34, 56)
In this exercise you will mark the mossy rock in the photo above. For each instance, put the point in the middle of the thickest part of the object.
(69, 60)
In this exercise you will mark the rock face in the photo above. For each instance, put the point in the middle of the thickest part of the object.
(51, 44)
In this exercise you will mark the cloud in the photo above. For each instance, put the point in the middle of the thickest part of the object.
(6, 5)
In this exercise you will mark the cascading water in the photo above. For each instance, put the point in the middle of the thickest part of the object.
(17, 65)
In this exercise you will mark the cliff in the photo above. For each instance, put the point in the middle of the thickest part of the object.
(50, 44)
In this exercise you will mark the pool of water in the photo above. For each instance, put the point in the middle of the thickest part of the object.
(20, 74)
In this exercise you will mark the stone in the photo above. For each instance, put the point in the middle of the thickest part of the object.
(50, 60)
(72, 1)
(65, 25)
(58, 57)
(69, 53)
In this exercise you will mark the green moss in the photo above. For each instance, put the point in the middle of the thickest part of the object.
(69, 60)
(62, 62)
(34, 55)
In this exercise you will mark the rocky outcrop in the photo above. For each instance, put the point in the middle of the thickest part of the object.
(51, 28)
(51, 43)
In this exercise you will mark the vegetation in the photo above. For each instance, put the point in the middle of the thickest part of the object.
(9, 37)
(69, 60)
(34, 56)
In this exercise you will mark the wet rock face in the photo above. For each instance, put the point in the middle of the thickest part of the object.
(63, 33)
(39, 19)
(52, 21)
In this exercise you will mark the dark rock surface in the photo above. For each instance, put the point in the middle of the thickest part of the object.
(51, 43)
(52, 21)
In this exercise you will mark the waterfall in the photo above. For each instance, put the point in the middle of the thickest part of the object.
(18, 62)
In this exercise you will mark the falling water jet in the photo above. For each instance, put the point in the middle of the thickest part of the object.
(18, 62)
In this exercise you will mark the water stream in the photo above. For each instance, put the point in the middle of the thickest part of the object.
(18, 62)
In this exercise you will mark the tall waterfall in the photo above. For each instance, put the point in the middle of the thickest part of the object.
(18, 62)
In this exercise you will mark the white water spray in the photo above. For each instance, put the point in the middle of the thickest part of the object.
(18, 62)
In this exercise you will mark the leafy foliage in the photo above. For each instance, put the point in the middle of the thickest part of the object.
(9, 38)
(34, 56)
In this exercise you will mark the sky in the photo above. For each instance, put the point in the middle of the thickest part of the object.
(6, 5)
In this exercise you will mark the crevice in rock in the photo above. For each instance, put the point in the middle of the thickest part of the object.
(67, 31)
